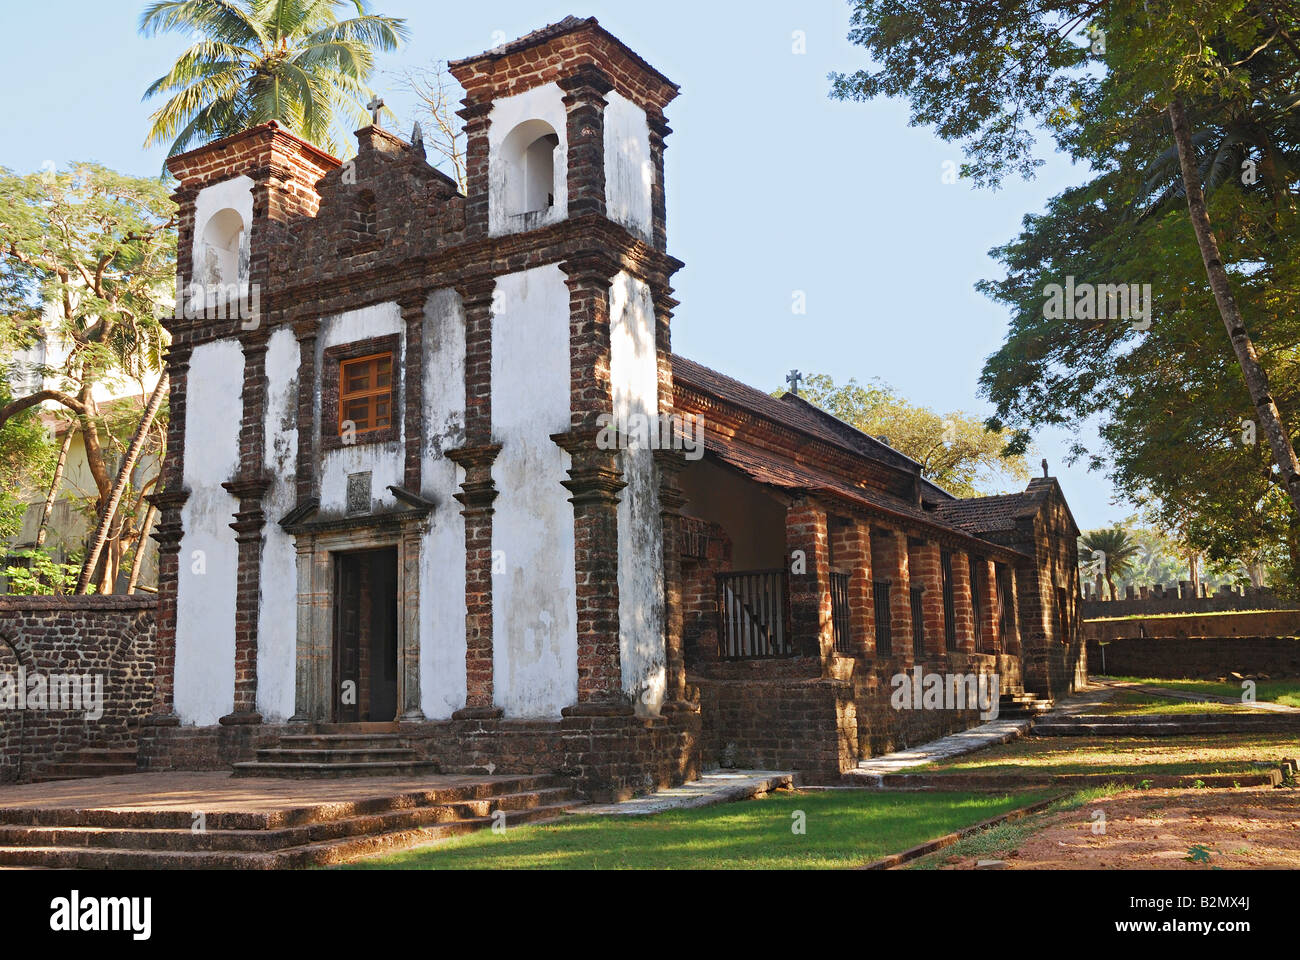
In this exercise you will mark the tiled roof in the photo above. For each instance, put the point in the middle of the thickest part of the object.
(789, 411)
(767, 468)
(982, 515)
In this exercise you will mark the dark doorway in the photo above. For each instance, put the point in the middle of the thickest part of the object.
(365, 636)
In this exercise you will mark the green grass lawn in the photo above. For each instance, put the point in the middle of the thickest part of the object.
(1286, 692)
(1164, 756)
(842, 828)
(1133, 703)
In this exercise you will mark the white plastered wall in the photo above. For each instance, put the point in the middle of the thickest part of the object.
(545, 103)
(277, 621)
(634, 376)
(205, 601)
(534, 602)
(442, 557)
(384, 461)
(629, 173)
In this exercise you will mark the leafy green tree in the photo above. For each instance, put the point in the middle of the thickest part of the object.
(1164, 99)
(956, 451)
(87, 261)
(1110, 552)
(38, 574)
(293, 61)
(26, 454)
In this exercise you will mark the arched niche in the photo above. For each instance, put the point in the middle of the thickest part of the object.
(225, 249)
(528, 156)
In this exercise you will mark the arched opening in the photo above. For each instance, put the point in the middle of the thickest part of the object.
(528, 154)
(225, 249)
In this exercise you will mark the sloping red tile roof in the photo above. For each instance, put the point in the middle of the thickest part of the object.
(764, 467)
(789, 411)
(773, 469)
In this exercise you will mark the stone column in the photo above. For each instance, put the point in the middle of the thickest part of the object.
(595, 480)
(305, 478)
(306, 686)
(963, 610)
(413, 390)
(808, 556)
(988, 589)
(659, 131)
(853, 555)
(669, 464)
(584, 102)
(408, 607)
(249, 487)
(477, 117)
(168, 534)
(928, 572)
(896, 569)
(478, 493)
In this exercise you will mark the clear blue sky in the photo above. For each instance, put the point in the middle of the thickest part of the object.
(772, 187)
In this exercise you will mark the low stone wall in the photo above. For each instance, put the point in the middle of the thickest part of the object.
(1276, 623)
(1169, 601)
(107, 639)
(1197, 658)
(777, 715)
(607, 757)
(882, 728)
(789, 715)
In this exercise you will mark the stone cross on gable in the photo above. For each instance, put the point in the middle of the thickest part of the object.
(374, 106)
(794, 378)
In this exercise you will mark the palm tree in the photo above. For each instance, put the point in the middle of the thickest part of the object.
(1113, 552)
(288, 60)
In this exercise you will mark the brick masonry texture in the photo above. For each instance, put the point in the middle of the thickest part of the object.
(1198, 658)
(112, 637)
(1278, 623)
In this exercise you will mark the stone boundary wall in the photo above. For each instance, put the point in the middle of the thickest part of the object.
(1170, 601)
(1197, 658)
(108, 637)
(1278, 623)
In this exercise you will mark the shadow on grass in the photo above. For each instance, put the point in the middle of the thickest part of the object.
(840, 829)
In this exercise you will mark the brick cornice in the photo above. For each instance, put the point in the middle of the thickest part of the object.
(464, 266)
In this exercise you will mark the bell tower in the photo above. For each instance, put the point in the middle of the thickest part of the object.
(565, 169)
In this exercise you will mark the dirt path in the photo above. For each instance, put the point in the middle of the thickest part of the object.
(1156, 829)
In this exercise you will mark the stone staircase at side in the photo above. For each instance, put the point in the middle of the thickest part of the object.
(309, 836)
(1017, 704)
(336, 750)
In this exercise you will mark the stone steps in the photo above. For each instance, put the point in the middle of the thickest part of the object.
(323, 834)
(1021, 704)
(337, 751)
(184, 839)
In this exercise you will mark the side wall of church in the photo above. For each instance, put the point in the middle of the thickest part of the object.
(205, 628)
(442, 555)
(634, 374)
(277, 624)
(534, 607)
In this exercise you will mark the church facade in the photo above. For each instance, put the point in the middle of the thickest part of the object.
(410, 488)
